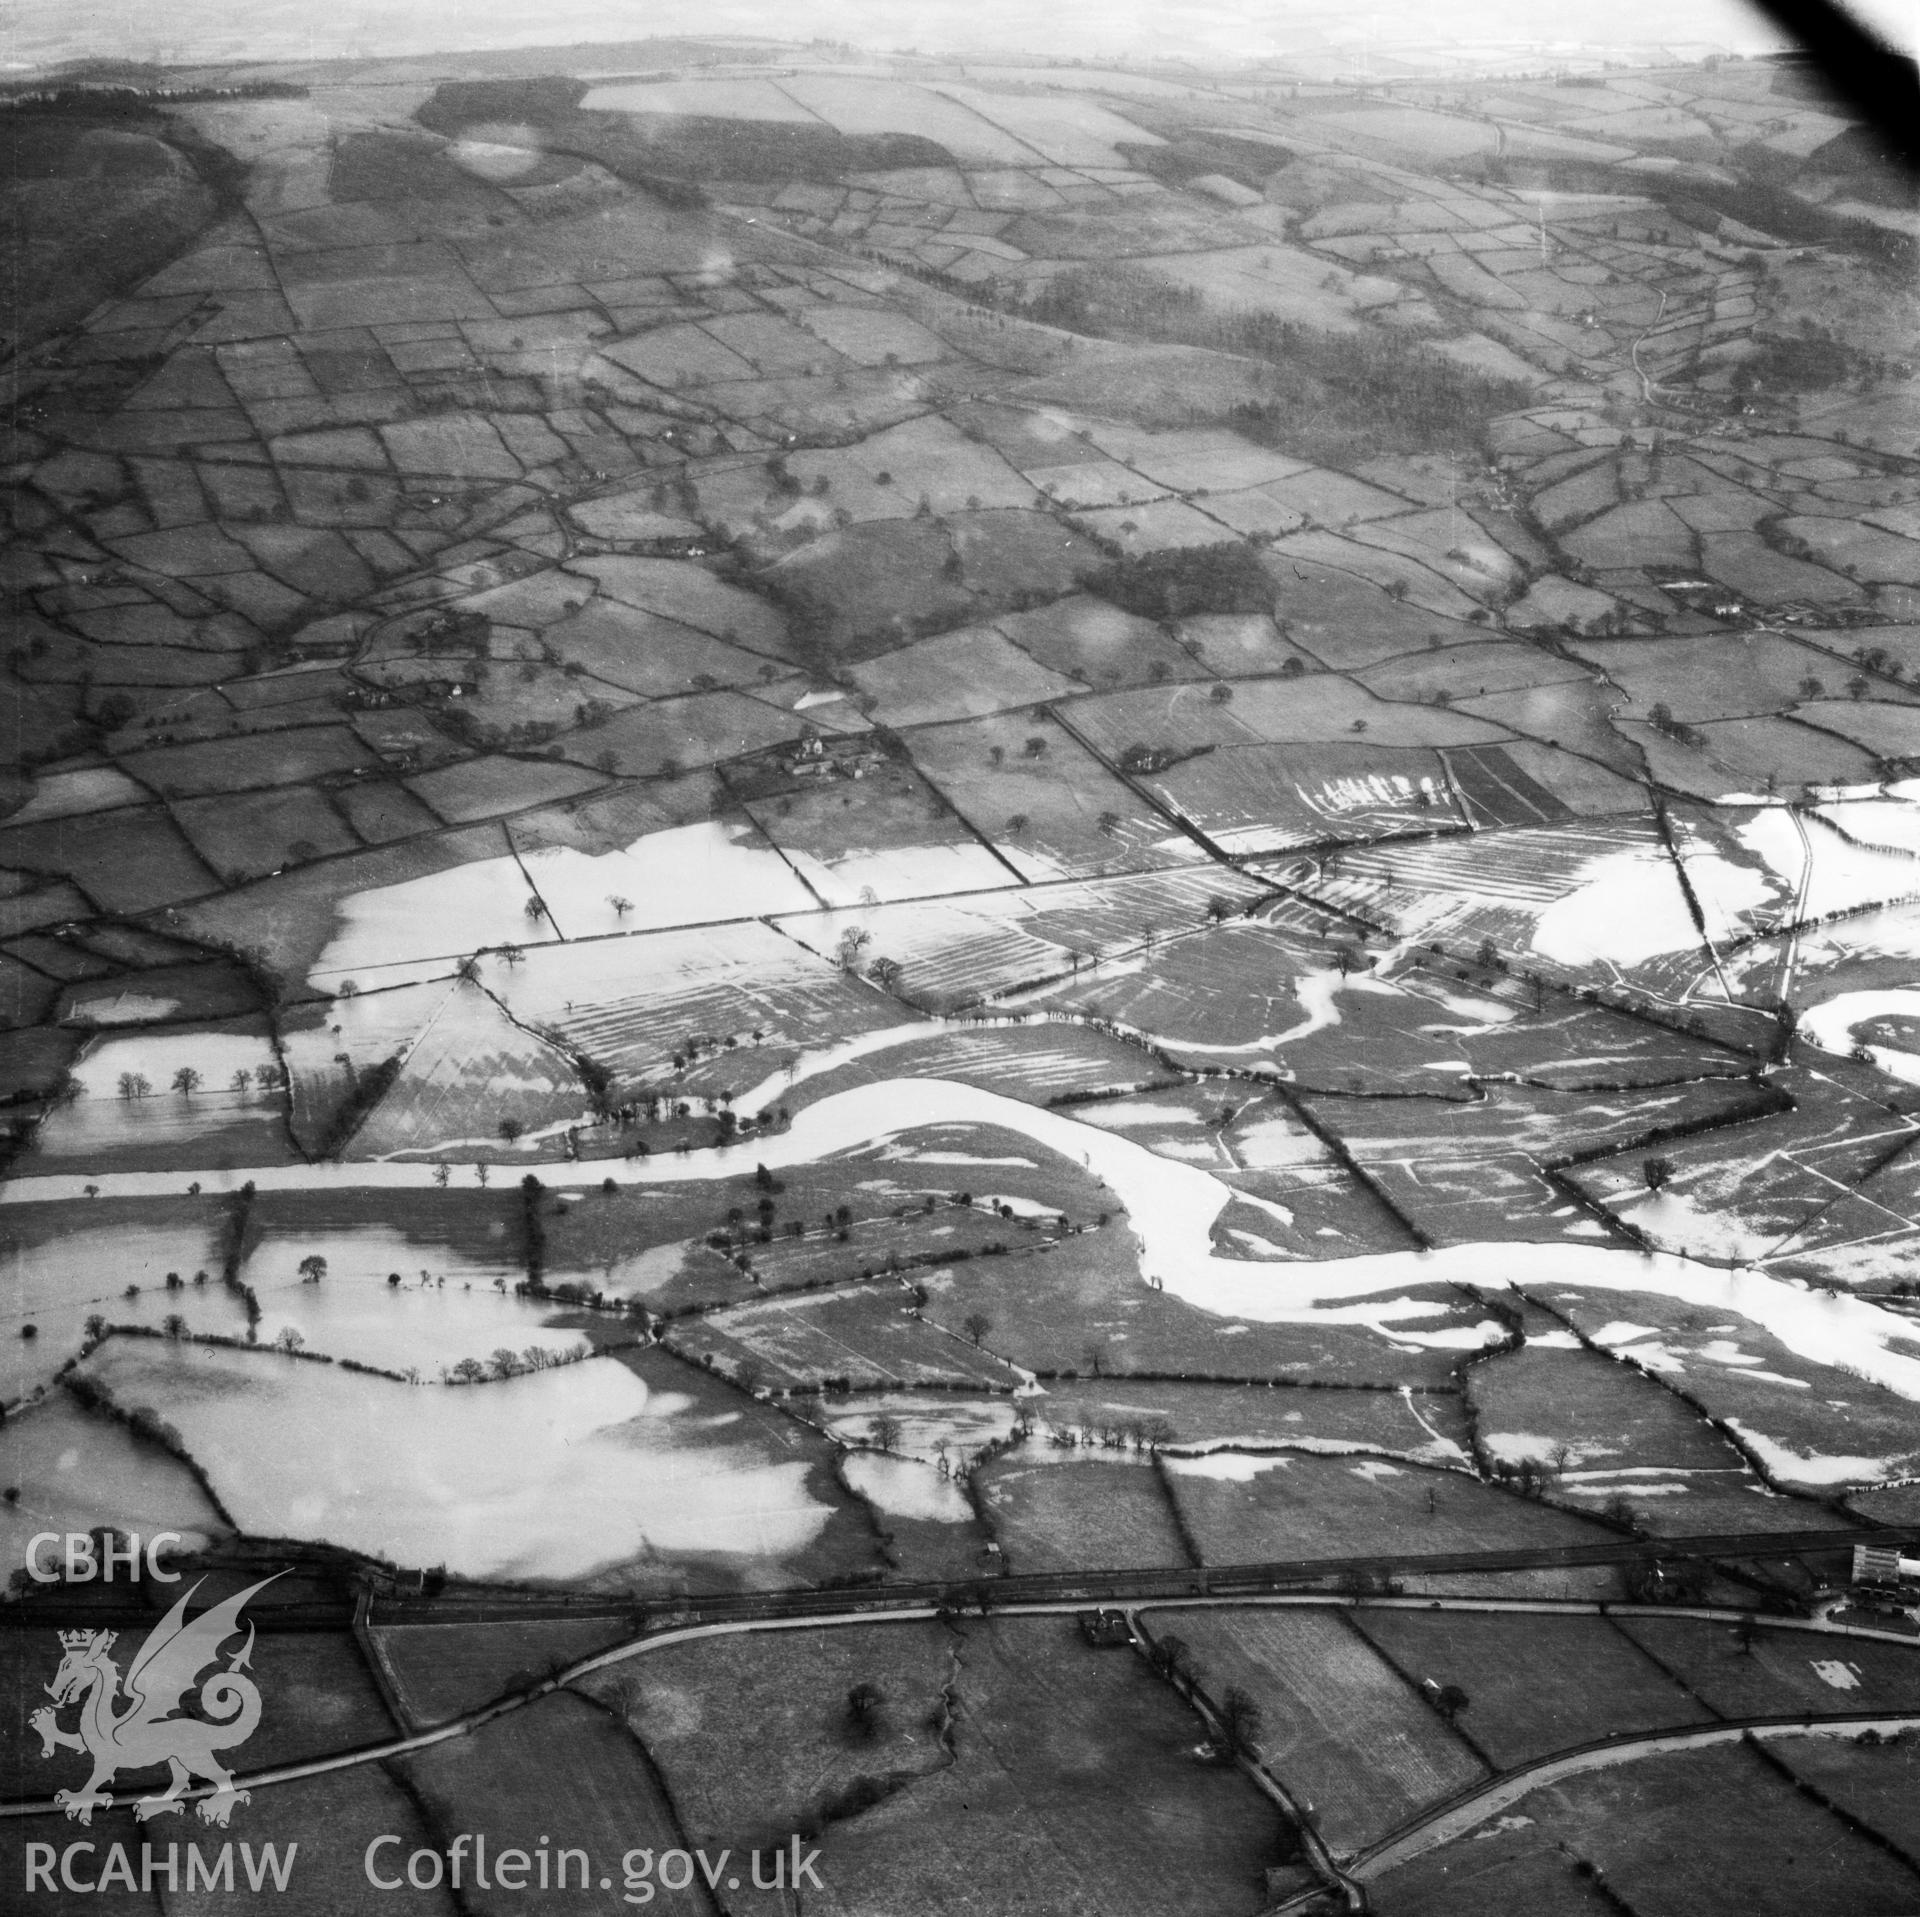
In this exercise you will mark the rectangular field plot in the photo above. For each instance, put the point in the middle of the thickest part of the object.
(1065, 1512)
(1534, 1684)
(631, 1004)
(1266, 798)
(1073, 1789)
(1342, 1729)
(1782, 1673)
(1245, 1509)
(957, 951)
(867, 1334)
(1055, 812)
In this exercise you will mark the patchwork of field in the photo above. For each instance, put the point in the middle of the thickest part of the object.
(782, 818)
(1251, 1508)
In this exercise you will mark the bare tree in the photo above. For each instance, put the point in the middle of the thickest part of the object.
(978, 1324)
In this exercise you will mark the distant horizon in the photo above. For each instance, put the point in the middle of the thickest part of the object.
(36, 34)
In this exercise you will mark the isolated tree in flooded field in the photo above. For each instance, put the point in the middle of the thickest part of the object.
(290, 1340)
(621, 907)
(885, 973)
(977, 1324)
(186, 1081)
(1658, 1172)
(312, 1268)
(441, 1173)
(883, 1431)
(535, 909)
(135, 1085)
(241, 1081)
(853, 941)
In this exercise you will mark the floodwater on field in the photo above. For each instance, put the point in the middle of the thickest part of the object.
(1172, 1208)
(556, 1475)
(906, 1488)
(687, 875)
(1835, 1024)
(56, 1282)
(75, 1469)
(448, 1308)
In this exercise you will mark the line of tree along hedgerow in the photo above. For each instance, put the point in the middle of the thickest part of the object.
(1331, 394)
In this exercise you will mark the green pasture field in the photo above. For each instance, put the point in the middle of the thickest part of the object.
(1347, 1734)
(1205, 1414)
(381, 812)
(1055, 813)
(1534, 1684)
(1093, 643)
(1576, 715)
(1299, 1505)
(866, 1333)
(968, 674)
(752, 1733)
(1780, 1673)
(441, 1671)
(669, 735)
(1065, 1511)
(248, 761)
(1714, 676)
(858, 592)
(639, 652)
(128, 861)
(485, 787)
(1466, 671)
(564, 1770)
(271, 831)
(1082, 1308)
(1878, 1784)
(1321, 707)
(1716, 1829)
(1073, 1787)
(1728, 758)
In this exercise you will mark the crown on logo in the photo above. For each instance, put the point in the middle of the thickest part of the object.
(82, 1640)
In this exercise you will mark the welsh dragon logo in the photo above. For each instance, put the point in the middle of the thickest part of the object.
(139, 1722)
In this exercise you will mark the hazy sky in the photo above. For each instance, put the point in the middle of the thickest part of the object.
(36, 31)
